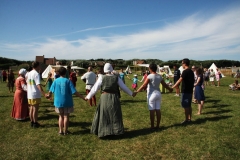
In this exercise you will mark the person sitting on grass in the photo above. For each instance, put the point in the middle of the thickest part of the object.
(234, 86)
(63, 89)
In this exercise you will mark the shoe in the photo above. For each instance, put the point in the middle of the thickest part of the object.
(67, 133)
(60, 133)
(36, 125)
(186, 122)
(31, 124)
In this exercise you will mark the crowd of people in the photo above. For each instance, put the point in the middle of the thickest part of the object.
(108, 116)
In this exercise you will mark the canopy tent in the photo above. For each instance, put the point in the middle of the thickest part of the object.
(214, 67)
(47, 70)
(143, 65)
(128, 70)
(74, 67)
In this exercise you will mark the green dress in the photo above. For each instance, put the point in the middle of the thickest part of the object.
(108, 117)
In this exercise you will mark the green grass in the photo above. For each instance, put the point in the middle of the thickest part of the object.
(213, 135)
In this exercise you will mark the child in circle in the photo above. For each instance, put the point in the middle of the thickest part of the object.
(135, 80)
(63, 90)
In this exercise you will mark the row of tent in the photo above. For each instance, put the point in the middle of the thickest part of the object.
(168, 70)
(51, 68)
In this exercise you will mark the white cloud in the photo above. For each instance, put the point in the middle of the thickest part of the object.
(195, 37)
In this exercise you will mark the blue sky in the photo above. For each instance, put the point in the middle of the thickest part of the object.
(125, 29)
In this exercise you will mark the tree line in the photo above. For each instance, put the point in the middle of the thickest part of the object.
(5, 63)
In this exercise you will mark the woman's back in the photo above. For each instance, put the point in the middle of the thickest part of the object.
(155, 80)
(110, 84)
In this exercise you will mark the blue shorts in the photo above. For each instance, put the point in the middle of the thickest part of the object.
(186, 100)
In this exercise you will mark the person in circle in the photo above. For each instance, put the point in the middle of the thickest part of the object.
(20, 103)
(154, 97)
(187, 79)
(108, 116)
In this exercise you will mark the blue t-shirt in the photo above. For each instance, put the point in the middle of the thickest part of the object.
(121, 75)
(135, 80)
(63, 90)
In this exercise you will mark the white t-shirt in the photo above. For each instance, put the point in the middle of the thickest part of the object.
(153, 85)
(33, 80)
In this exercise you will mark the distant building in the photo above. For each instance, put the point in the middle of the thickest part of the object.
(46, 61)
(136, 62)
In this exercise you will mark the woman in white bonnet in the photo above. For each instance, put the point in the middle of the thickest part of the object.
(108, 117)
(20, 103)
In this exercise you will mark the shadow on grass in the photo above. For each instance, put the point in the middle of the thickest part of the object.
(131, 101)
(212, 101)
(129, 134)
(85, 126)
(198, 121)
(7, 96)
(218, 106)
(219, 112)
(48, 116)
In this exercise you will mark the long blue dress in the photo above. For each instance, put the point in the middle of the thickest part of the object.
(199, 93)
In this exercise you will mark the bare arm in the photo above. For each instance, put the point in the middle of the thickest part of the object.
(40, 89)
(79, 95)
(198, 80)
(144, 85)
(177, 83)
(166, 86)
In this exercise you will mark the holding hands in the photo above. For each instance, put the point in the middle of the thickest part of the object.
(134, 94)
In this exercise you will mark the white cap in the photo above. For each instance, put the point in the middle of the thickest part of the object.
(108, 68)
(22, 71)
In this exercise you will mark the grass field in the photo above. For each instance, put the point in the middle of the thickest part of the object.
(212, 135)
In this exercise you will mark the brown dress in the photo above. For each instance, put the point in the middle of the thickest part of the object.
(20, 103)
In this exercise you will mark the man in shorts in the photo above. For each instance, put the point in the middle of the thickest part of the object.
(90, 78)
(34, 91)
(187, 79)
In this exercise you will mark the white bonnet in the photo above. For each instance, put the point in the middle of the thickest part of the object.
(22, 71)
(108, 68)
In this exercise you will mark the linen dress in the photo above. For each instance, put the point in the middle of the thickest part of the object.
(20, 103)
(108, 116)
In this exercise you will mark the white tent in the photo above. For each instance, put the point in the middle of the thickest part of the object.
(158, 69)
(47, 70)
(214, 67)
(168, 70)
(181, 69)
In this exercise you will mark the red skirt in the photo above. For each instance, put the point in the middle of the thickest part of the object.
(20, 109)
